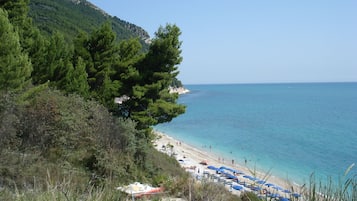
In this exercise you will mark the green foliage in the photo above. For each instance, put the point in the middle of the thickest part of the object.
(176, 83)
(29, 36)
(72, 134)
(57, 65)
(205, 190)
(15, 67)
(152, 103)
(76, 79)
(71, 18)
(100, 52)
(51, 136)
(17, 11)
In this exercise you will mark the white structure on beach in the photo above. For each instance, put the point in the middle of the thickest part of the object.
(179, 90)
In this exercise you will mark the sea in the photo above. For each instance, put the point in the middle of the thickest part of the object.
(295, 131)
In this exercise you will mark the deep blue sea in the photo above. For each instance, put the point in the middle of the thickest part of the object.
(291, 130)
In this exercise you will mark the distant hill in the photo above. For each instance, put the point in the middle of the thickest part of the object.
(72, 16)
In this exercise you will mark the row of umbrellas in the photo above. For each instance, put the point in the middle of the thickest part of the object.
(221, 170)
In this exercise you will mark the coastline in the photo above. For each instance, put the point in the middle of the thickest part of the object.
(191, 158)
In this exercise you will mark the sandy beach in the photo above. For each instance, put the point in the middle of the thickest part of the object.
(193, 159)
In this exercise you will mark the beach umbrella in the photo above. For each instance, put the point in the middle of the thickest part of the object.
(220, 171)
(223, 168)
(286, 191)
(226, 168)
(261, 182)
(236, 187)
(248, 177)
(278, 188)
(284, 199)
(237, 172)
(229, 176)
(269, 184)
(212, 167)
(274, 195)
(296, 195)
(256, 188)
(230, 169)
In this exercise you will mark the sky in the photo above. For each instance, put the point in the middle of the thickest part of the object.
(254, 41)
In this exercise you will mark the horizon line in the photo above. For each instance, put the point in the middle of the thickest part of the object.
(293, 82)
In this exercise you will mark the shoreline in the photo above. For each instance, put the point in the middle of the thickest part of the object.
(191, 157)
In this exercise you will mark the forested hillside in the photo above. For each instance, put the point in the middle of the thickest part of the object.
(77, 107)
(58, 116)
(72, 16)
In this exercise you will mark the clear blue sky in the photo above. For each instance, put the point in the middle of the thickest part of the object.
(250, 41)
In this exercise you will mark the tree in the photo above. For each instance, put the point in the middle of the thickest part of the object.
(100, 52)
(15, 66)
(55, 64)
(76, 80)
(30, 38)
(151, 102)
(126, 73)
(18, 15)
(59, 56)
(17, 11)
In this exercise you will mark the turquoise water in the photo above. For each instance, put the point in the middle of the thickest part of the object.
(292, 130)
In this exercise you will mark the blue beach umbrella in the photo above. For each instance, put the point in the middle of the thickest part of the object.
(226, 168)
(261, 182)
(286, 191)
(274, 195)
(236, 187)
(230, 176)
(220, 171)
(212, 167)
(248, 177)
(256, 188)
(223, 167)
(284, 199)
(269, 184)
(237, 172)
(253, 178)
(278, 188)
(296, 195)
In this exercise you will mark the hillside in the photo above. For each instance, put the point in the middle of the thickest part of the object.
(72, 16)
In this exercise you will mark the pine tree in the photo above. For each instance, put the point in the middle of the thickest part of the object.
(100, 53)
(15, 66)
(76, 80)
(103, 51)
(17, 11)
(55, 63)
(152, 103)
(125, 72)
(18, 16)
(39, 59)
